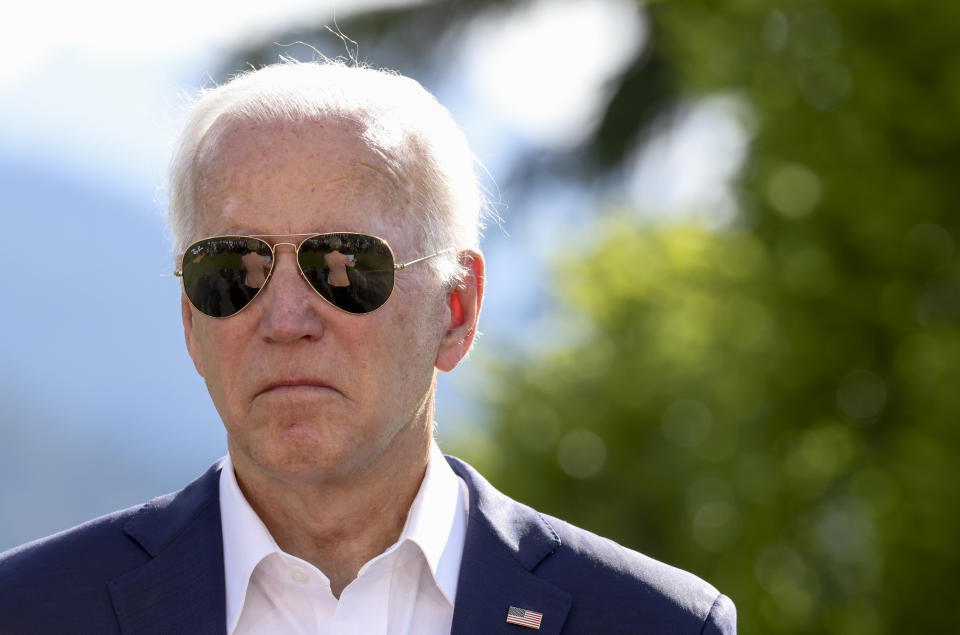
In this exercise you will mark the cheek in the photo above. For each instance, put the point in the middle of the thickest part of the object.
(217, 356)
(422, 332)
(388, 352)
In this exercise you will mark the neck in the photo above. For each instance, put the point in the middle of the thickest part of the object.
(339, 523)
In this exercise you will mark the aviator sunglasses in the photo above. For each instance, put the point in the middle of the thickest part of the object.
(353, 272)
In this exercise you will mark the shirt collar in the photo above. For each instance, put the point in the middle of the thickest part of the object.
(436, 524)
(246, 542)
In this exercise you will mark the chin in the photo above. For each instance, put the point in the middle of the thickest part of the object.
(300, 450)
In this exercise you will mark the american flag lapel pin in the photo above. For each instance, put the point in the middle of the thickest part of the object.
(524, 617)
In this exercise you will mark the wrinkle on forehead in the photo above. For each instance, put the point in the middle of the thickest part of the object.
(227, 135)
(236, 154)
(384, 169)
(327, 167)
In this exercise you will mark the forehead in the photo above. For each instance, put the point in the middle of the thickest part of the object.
(296, 177)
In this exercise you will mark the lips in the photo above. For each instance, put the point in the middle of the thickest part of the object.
(294, 384)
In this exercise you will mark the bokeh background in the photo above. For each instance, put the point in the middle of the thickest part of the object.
(723, 321)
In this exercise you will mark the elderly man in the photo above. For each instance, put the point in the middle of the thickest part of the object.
(327, 218)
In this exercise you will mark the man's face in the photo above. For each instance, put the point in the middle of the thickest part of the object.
(302, 387)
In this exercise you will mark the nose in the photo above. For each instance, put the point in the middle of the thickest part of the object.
(291, 308)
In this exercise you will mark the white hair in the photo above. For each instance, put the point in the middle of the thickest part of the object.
(395, 114)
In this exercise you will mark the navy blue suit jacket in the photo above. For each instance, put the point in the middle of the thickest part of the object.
(158, 568)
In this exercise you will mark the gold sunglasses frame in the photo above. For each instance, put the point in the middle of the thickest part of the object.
(397, 266)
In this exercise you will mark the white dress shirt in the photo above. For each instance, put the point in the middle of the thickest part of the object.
(408, 589)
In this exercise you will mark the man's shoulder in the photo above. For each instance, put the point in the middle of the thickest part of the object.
(68, 549)
(621, 564)
(61, 582)
(616, 576)
(70, 572)
(611, 588)
(118, 533)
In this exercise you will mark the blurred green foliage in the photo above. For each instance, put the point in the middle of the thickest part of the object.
(774, 405)
(771, 405)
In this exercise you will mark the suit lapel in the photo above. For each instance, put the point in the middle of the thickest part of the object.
(505, 542)
(181, 589)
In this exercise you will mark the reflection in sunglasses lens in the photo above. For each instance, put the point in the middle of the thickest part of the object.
(354, 272)
(222, 275)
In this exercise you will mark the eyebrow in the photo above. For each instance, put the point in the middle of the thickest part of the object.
(232, 230)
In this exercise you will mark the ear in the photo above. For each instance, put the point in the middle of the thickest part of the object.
(193, 347)
(463, 311)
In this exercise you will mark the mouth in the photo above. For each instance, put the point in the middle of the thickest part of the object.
(295, 385)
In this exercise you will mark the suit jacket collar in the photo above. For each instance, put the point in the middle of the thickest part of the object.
(181, 589)
(505, 543)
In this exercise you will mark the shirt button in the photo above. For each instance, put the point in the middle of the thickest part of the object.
(298, 574)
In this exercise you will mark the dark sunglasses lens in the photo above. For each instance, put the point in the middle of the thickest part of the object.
(222, 275)
(353, 271)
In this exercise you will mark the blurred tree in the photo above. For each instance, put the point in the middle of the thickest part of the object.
(770, 405)
(420, 39)
(773, 405)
